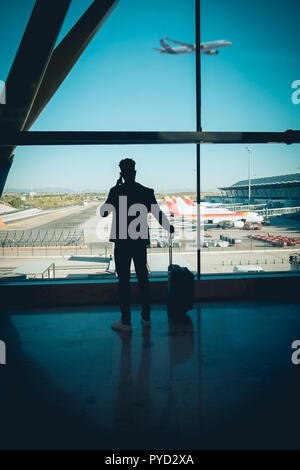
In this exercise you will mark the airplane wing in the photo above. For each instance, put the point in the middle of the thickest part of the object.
(159, 50)
(181, 43)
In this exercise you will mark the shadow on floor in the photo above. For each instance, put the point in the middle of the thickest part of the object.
(221, 378)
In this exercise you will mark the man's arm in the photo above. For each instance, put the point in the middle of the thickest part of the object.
(160, 215)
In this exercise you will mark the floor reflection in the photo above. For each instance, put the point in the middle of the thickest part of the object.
(219, 378)
(133, 403)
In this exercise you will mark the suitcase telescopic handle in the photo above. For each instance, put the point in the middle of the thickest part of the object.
(170, 248)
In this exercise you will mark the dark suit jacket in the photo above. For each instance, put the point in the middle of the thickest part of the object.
(126, 212)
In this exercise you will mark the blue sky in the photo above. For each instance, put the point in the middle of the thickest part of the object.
(121, 83)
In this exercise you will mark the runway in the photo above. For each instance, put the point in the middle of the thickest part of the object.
(67, 217)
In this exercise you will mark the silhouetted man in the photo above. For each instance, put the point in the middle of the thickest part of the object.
(130, 203)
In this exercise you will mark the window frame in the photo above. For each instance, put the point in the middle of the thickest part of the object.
(198, 137)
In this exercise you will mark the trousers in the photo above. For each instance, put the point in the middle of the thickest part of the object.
(125, 251)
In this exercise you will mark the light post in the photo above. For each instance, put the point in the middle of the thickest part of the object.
(249, 175)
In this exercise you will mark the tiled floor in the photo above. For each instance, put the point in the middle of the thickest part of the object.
(221, 379)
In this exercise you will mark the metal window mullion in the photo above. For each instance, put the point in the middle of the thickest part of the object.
(145, 138)
(198, 127)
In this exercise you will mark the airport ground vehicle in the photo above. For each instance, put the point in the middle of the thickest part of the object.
(153, 243)
(248, 226)
(278, 240)
(248, 268)
(230, 240)
(294, 261)
(226, 224)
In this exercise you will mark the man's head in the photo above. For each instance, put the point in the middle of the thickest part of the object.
(127, 167)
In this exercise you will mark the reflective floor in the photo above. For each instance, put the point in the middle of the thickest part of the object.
(222, 378)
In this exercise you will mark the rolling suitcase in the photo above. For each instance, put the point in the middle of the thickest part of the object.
(180, 288)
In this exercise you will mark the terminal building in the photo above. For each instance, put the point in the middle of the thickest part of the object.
(279, 190)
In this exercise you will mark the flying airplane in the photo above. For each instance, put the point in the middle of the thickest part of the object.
(180, 208)
(209, 48)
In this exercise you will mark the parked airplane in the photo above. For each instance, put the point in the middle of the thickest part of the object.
(188, 201)
(172, 208)
(209, 48)
(179, 208)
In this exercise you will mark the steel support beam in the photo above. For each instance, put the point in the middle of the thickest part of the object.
(67, 53)
(140, 138)
(4, 170)
(28, 70)
(198, 127)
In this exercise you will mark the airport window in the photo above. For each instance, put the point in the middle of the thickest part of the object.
(253, 84)
(123, 82)
(256, 208)
(142, 86)
(62, 224)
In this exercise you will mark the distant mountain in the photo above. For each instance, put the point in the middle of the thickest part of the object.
(58, 190)
(52, 190)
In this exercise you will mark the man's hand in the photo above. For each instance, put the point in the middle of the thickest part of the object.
(172, 229)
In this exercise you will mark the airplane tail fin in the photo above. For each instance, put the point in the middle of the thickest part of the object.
(172, 208)
(188, 201)
(184, 208)
(181, 205)
(166, 46)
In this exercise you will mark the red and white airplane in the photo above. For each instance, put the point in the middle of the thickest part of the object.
(178, 207)
(188, 201)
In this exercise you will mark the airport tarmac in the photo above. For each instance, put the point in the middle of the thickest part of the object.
(65, 217)
(84, 265)
(93, 258)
